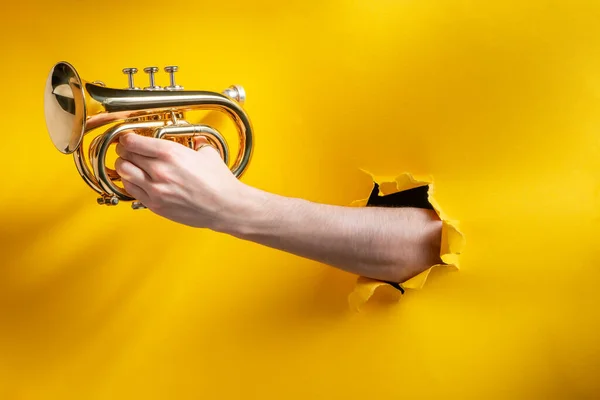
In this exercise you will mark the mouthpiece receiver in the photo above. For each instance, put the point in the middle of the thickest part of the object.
(236, 92)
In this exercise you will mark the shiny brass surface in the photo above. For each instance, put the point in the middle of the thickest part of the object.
(74, 107)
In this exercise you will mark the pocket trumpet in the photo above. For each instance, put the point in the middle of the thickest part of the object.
(74, 107)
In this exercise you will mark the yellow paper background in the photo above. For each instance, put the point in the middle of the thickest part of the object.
(498, 101)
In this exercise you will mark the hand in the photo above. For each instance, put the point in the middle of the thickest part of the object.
(191, 187)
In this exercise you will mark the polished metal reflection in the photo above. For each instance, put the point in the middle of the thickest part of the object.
(74, 107)
(64, 108)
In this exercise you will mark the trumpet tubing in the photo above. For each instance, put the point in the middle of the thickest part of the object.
(74, 107)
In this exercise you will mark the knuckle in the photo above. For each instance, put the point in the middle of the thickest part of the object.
(166, 153)
(159, 191)
(159, 172)
(152, 169)
(162, 153)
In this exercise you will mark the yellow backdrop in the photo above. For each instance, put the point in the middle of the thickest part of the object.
(498, 101)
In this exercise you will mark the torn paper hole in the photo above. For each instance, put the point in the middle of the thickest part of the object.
(452, 244)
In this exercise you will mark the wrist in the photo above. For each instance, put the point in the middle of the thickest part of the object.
(248, 211)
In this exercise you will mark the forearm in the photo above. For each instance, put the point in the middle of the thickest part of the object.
(392, 244)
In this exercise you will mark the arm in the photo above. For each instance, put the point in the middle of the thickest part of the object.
(197, 189)
(391, 244)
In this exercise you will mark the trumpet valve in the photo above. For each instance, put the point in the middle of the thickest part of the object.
(130, 72)
(151, 71)
(171, 69)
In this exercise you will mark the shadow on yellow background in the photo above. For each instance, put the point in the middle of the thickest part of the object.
(497, 101)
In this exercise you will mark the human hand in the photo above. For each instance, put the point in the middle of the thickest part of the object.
(191, 187)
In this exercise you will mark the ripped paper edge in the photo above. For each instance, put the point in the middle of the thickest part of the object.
(452, 244)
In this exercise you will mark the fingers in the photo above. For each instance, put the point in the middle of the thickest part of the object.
(132, 173)
(145, 146)
(142, 162)
(136, 192)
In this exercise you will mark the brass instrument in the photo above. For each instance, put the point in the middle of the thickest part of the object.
(74, 107)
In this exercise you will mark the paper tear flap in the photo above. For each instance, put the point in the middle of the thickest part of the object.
(451, 247)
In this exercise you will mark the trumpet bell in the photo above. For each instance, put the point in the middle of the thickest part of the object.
(64, 108)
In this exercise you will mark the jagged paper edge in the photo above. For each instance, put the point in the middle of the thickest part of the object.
(452, 244)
